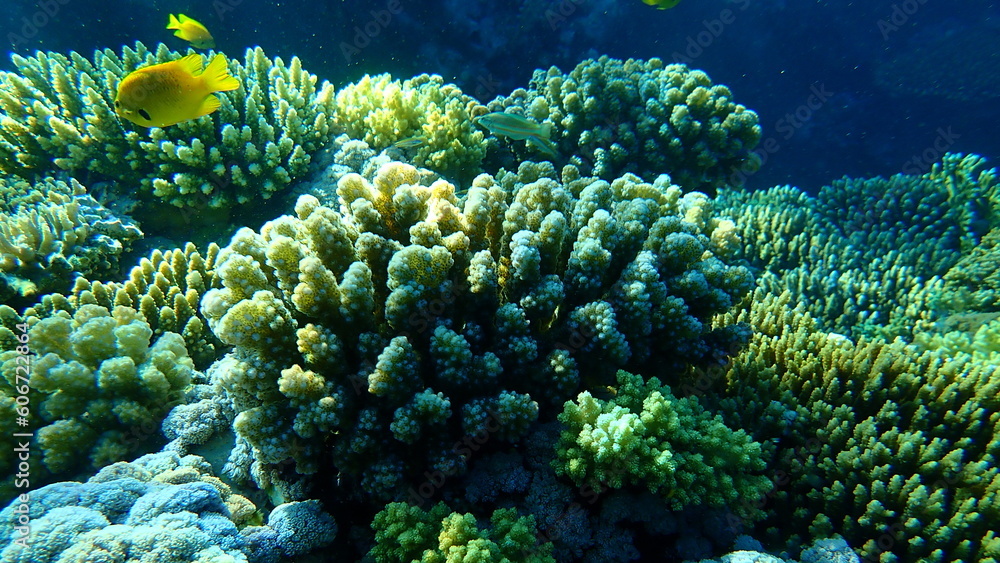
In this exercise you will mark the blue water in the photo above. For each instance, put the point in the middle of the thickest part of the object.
(771, 53)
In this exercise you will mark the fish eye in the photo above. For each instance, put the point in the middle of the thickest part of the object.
(118, 104)
(145, 115)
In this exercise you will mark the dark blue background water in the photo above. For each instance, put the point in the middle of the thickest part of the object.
(898, 81)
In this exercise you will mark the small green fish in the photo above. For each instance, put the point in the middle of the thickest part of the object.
(518, 128)
(662, 4)
(410, 142)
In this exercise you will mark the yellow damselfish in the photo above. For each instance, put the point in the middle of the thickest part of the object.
(662, 4)
(191, 31)
(168, 93)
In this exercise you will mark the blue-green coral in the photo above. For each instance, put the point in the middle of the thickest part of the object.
(867, 256)
(893, 449)
(165, 288)
(57, 114)
(408, 318)
(610, 117)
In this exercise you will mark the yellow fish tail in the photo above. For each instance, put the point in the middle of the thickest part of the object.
(210, 104)
(217, 77)
(174, 23)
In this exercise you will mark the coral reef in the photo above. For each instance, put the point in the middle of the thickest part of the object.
(161, 508)
(410, 321)
(166, 289)
(887, 443)
(973, 283)
(408, 533)
(436, 117)
(100, 384)
(867, 256)
(890, 448)
(646, 437)
(611, 117)
(56, 114)
(562, 356)
(51, 231)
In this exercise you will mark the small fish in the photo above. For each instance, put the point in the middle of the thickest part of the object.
(518, 128)
(169, 93)
(191, 31)
(662, 4)
(410, 142)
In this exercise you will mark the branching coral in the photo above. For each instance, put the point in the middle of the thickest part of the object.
(407, 533)
(890, 448)
(437, 117)
(52, 231)
(99, 383)
(166, 289)
(56, 113)
(410, 320)
(867, 256)
(647, 437)
(611, 117)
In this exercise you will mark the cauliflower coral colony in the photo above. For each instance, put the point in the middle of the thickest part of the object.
(452, 347)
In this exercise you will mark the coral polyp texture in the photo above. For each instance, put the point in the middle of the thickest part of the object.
(56, 113)
(100, 386)
(436, 118)
(408, 533)
(872, 369)
(646, 437)
(891, 448)
(610, 117)
(400, 321)
(52, 231)
(870, 257)
(166, 289)
(160, 508)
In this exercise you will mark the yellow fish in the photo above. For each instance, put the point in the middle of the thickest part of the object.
(191, 31)
(168, 93)
(662, 4)
(518, 128)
